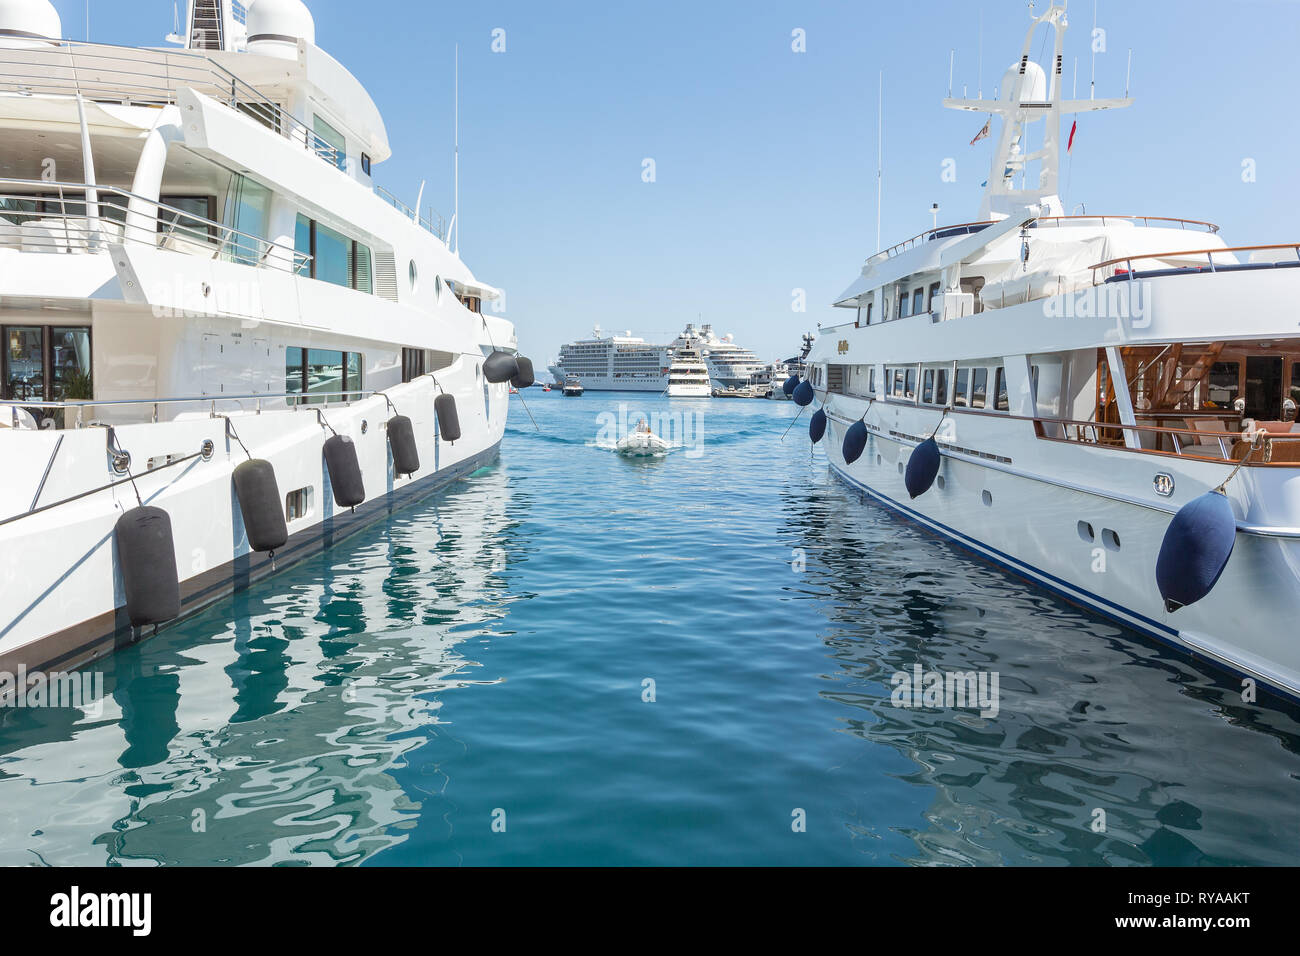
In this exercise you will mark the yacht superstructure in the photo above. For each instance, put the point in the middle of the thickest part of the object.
(198, 273)
(1069, 396)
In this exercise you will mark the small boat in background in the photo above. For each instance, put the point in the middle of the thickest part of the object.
(643, 443)
(572, 386)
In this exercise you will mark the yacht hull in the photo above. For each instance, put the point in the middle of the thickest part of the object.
(1038, 528)
(60, 574)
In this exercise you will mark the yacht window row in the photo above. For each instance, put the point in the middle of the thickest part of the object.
(322, 375)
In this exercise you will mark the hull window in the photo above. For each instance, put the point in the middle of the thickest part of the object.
(47, 364)
(959, 387)
(322, 375)
(979, 388)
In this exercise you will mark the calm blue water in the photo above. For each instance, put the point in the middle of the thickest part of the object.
(480, 662)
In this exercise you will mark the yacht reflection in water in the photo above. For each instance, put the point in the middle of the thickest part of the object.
(1106, 747)
(288, 719)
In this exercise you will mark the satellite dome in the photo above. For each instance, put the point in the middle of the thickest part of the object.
(276, 26)
(26, 23)
(1035, 89)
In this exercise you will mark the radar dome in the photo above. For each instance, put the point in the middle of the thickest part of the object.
(25, 23)
(1035, 88)
(276, 26)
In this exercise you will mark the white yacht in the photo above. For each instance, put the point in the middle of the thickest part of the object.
(688, 376)
(1103, 404)
(226, 346)
(628, 363)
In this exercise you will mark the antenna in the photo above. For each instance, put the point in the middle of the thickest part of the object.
(455, 217)
(880, 152)
(1092, 84)
(1128, 75)
(952, 57)
(980, 77)
(87, 21)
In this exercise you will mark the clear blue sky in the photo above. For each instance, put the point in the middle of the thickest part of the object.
(765, 158)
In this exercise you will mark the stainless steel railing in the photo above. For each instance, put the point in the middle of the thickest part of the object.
(138, 76)
(39, 216)
(294, 400)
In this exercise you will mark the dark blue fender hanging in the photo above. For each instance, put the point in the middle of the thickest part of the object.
(855, 440)
(146, 554)
(790, 385)
(1196, 549)
(817, 425)
(524, 378)
(803, 394)
(922, 467)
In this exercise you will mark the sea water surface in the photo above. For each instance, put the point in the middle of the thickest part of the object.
(573, 658)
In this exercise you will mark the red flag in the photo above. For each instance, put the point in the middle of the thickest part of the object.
(1070, 145)
(982, 134)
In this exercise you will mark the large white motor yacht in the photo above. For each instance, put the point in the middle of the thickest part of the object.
(225, 346)
(1103, 404)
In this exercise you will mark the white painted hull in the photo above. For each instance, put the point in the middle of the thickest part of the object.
(1030, 525)
(60, 579)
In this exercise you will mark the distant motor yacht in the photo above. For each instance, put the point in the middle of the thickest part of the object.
(688, 376)
(573, 386)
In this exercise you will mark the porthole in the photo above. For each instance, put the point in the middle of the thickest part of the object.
(879, 460)
(414, 274)
(901, 469)
(437, 286)
(1110, 539)
(988, 497)
(1086, 533)
(940, 482)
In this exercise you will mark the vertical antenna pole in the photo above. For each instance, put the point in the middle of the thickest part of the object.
(880, 152)
(980, 77)
(87, 21)
(456, 212)
(1092, 84)
(952, 57)
(1128, 75)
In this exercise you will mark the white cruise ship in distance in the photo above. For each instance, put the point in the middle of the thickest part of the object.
(1105, 405)
(625, 363)
(226, 347)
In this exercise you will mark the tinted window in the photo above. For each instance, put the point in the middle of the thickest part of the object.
(910, 391)
(960, 384)
(941, 387)
(333, 256)
(903, 303)
(1003, 403)
(918, 301)
(979, 388)
(1225, 381)
(927, 390)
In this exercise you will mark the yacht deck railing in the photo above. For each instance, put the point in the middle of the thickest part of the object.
(39, 216)
(1109, 271)
(254, 403)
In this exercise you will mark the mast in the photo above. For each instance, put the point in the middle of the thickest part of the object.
(1029, 95)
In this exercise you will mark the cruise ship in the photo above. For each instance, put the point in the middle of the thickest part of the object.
(227, 347)
(1105, 405)
(625, 363)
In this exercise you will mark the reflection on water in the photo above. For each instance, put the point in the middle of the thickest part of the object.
(485, 654)
(272, 737)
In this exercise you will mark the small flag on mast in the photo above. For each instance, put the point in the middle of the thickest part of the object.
(1070, 145)
(983, 134)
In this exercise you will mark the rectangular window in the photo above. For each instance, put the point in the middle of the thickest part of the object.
(898, 383)
(362, 269)
(24, 372)
(365, 163)
(918, 299)
(1295, 382)
(884, 313)
(293, 371)
(247, 207)
(1003, 403)
(295, 504)
(333, 257)
(188, 222)
(910, 391)
(941, 387)
(927, 389)
(302, 239)
(979, 388)
(959, 386)
(869, 306)
(70, 365)
(934, 290)
(352, 374)
(1225, 383)
(871, 381)
(329, 143)
(903, 303)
